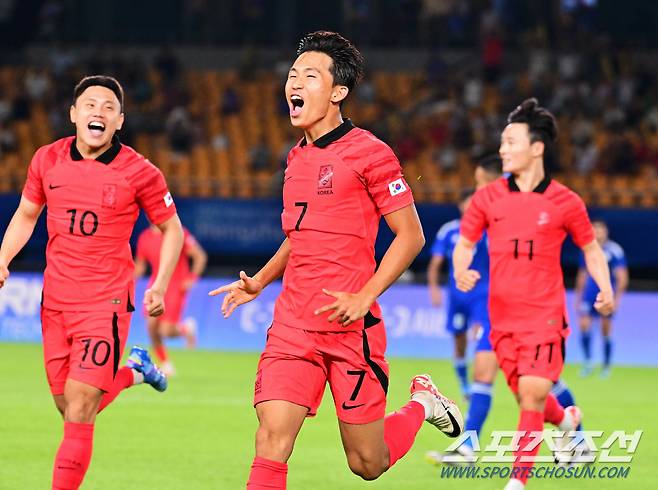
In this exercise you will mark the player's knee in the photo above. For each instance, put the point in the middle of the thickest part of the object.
(532, 400)
(81, 409)
(274, 445)
(367, 466)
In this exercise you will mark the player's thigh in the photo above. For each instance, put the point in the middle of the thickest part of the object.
(290, 369)
(279, 422)
(56, 351)
(98, 339)
(506, 356)
(364, 446)
(358, 374)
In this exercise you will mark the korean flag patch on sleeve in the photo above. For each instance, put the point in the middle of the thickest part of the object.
(397, 187)
(168, 200)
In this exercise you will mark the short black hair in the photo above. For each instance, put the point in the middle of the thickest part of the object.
(491, 163)
(347, 61)
(99, 81)
(541, 123)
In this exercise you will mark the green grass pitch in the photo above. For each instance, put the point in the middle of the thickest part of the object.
(199, 434)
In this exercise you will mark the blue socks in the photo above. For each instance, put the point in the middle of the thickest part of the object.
(586, 342)
(607, 351)
(478, 408)
(564, 396)
(462, 374)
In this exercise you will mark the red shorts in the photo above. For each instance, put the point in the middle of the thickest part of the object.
(174, 301)
(83, 345)
(296, 365)
(529, 353)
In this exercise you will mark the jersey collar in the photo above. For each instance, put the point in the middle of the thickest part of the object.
(540, 189)
(332, 136)
(106, 157)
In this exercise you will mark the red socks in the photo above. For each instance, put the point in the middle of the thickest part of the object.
(529, 422)
(73, 456)
(124, 379)
(161, 353)
(266, 474)
(400, 429)
(553, 411)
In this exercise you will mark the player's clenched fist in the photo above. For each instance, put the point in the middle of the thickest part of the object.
(154, 302)
(4, 273)
(467, 280)
(238, 293)
(605, 303)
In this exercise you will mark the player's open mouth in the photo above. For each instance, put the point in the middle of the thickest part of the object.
(96, 128)
(296, 104)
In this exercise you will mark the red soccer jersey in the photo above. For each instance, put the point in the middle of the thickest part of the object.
(148, 249)
(92, 207)
(334, 194)
(526, 231)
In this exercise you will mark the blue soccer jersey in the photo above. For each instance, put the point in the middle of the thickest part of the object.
(465, 309)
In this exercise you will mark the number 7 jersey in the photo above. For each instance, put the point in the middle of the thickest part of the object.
(92, 206)
(335, 192)
(526, 231)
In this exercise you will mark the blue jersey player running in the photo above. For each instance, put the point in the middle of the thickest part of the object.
(586, 289)
(464, 310)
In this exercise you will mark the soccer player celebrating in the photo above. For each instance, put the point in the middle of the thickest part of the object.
(586, 291)
(170, 324)
(527, 217)
(93, 187)
(327, 325)
(464, 310)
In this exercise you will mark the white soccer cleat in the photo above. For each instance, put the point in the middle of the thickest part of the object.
(461, 456)
(514, 484)
(572, 418)
(441, 412)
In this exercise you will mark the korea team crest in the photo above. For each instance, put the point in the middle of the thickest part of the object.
(325, 179)
(109, 196)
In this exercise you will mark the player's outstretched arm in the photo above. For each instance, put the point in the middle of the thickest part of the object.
(462, 257)
(247, 288)
(172, 243)
(597, 266)
(408, 242)
(18, 232)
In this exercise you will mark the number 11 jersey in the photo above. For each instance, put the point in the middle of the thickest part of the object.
(526, 231)
(92, 206)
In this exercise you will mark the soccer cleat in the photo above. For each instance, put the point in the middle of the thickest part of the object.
(605, 372)
(140, 360)
(444, 413)
(461, 456)
(572, 418)
(586, 370)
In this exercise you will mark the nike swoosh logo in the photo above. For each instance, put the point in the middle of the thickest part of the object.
(351, 407)
(51, 187)
(456, 429)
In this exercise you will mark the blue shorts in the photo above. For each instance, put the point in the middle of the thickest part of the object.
(586, 308)
(463, 314)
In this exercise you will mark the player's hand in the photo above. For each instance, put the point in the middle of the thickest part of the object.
(4, 273)
(238, 293)
(154, 302)
(605, 303)
(435, 296)
(467, 280)
(348, 307)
